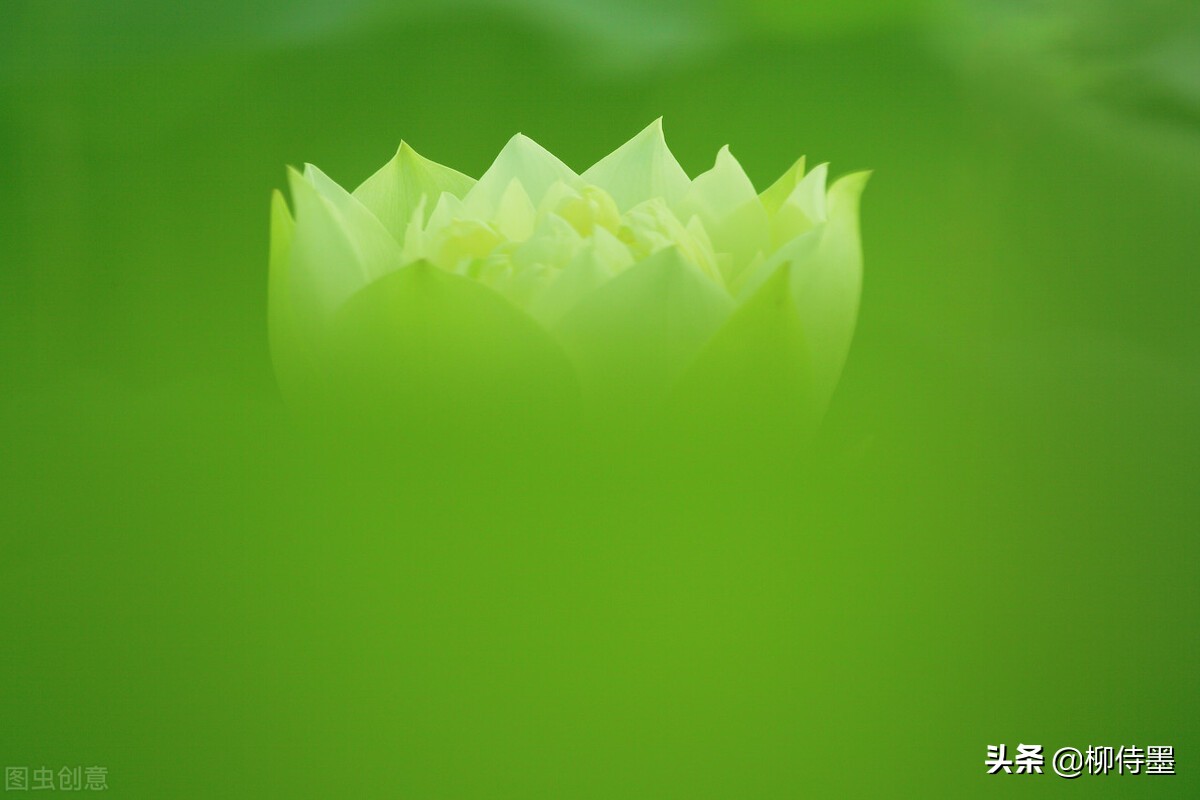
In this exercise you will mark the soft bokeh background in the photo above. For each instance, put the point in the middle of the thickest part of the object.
(994, 544)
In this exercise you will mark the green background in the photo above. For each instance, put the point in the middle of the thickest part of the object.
(993, 541)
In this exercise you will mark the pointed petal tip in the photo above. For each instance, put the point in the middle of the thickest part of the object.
(854, 181)
(295, 178)
(798, 168)
(522, 142)
(408, 155)
(821, 171)
(652, 131)
(846, 192)
(317, 177)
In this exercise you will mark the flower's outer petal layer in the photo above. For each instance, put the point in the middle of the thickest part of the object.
(796, 251)
(777, 193)
(525, 161)
(826, 286)
(720, 191)
(632, 337)
(639, 170)
(725, 201)
(825, 265)
(405, 296)
(755, 375)
(803, 210)
(338, 247)
(796, 230)
(423, 345)
(394, 193)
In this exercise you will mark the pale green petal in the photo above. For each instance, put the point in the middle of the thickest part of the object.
(652, 226)
(780, 355)
(462, 242)
(415, 239)
(326, 186)
(522, 273)
(796, 229)
(634, 335)
(804, 208)
(639, 170)
(558, 194)
(394, 193)
(553, 244)
(587, 209)
(760, 271)
(756, 371)
(454, 237)
(518, 286)
(522, 159)
(611, 251)
(515, 214)
(699, 233)
(359, 220)
(825, 265)
(826, 287)
(774, 196)
(447, 209)
(338, 246)
(810, 194)
(593, 265)
(720, 191)
(429, 343)
(734, 217)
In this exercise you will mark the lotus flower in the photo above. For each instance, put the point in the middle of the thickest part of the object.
(626, 288)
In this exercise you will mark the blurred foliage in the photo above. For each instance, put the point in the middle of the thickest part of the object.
(1122, 70)
(616, 34)
(780, 17)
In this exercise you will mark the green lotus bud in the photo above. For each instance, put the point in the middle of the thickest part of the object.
(626, 288)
